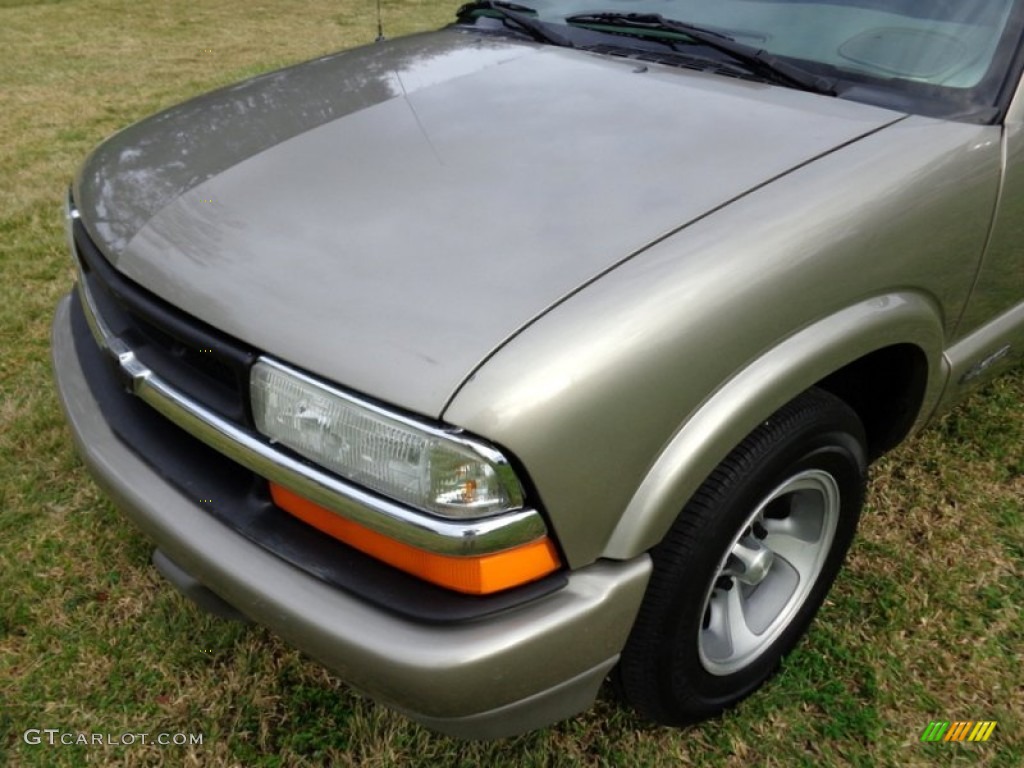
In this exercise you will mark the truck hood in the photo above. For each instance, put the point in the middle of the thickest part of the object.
(387, 217)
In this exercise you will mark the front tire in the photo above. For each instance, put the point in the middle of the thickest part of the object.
(748, 562)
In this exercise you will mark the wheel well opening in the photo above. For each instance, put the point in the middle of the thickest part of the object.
(886, 389)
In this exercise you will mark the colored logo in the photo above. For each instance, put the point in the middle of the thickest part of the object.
(961, 730)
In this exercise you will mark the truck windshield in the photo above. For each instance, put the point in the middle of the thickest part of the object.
(941, 57)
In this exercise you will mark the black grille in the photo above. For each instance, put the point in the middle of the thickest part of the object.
(194, 357)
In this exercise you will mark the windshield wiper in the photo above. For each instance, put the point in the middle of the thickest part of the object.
(757, 60)
(517, 15)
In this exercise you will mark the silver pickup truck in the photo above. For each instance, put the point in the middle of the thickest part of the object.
(486, 364)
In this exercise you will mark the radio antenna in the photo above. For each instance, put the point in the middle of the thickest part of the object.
(380, 24)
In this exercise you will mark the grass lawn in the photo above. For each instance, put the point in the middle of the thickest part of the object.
(924, 624)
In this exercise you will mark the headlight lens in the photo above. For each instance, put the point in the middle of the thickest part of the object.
(424, 467)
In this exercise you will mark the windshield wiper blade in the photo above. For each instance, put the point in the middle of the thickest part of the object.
(757, 60)
(517, 15)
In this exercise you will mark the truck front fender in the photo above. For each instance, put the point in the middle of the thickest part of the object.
(764, 386)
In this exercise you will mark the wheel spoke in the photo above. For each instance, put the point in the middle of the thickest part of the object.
(766, 602)
(803, 521)
(715, 636)
(800, 554)
(728, 635)
(741, 638)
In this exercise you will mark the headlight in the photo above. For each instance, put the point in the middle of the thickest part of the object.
(425, 467)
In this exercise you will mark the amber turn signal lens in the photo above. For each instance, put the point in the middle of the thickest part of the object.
(475, 575)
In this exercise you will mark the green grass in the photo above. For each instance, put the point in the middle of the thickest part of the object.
(925, 622)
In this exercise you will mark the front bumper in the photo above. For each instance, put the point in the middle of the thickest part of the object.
(497, 676)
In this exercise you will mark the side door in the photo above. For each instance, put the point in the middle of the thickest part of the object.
(990, 334)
